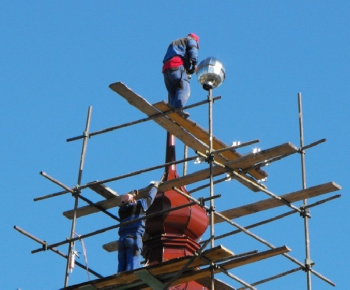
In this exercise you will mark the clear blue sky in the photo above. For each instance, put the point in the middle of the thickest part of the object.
(58, 58)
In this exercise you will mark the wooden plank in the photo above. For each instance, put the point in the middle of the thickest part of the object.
(253, 159)
(127, 278)
(167, 185)
(272, 202)
(203, 135)
(198, 274)
(202, 273)
(102, 190)
(164, 271)
(147, 108)
(192, 178)
(169, 125)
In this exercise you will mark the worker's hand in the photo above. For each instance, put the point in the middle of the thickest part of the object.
(155, 183)
(192, 69)
(125, 198)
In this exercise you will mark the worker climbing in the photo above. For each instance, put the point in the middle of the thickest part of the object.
(130, 234)
(179, 64)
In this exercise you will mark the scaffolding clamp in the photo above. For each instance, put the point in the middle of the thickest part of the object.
(76, 191)
(45, 246)
(86, 134)
(305, 212)
(201, 201)
(210, 158)
(308, 265)
(211, 209)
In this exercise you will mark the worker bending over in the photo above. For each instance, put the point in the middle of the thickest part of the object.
(130, 235)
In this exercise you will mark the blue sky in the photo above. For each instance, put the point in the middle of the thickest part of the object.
(58, 58)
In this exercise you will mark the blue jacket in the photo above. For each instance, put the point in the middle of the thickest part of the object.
(135, 210)
(185, 48)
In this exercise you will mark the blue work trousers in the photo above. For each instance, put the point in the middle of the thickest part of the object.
(129, 252)
(177, 84)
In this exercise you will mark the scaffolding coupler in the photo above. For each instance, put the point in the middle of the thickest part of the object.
(305, 212)
(76, 191)
(45, 246)
(308, 265)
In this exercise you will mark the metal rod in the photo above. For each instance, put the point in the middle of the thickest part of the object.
(67, 189)
(185, 163)
(72, 191)
(274, 277)
(244, 178)
(274, 159)
(77, 193)
(276, 217)
(211, 178)
(227, 273)
(206, 185)
(56, 251)
(308, 263)
(155, 116)
(272, 247)
(118, 225)
(245, 230)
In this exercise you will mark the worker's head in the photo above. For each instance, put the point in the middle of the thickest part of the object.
(127, 198)
(194, 36)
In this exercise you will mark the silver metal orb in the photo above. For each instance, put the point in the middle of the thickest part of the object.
(210, 73)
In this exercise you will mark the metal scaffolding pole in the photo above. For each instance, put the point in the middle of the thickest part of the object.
(44, 244)
(71, 252)
(153, 117)
(210, 160)
(306, 213)
(159, 213)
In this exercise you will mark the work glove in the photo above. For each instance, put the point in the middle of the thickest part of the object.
(155, 183)
(192, 69)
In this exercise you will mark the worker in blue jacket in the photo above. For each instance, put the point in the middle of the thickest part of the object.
(130, 235)
(179, 64)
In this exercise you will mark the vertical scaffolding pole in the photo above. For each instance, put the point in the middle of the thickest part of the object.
(185, 163)
(211, 159)
(76, 199)
(308, 262)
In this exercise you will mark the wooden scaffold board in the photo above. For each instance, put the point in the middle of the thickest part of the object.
(246, 161)
(166, 271)
(193, 136)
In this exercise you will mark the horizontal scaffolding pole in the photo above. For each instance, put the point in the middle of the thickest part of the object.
(119, 225)
(266, 162)
(276, 217)
(274, 277)
(67, 189)
(44, 244)
(155, 116)
(247, 232)
(260, 187)
(76, 192)
(114, 178)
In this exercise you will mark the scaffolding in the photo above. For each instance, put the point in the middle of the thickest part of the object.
(222, 160)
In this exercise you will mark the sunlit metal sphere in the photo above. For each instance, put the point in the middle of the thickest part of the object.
(210, 73)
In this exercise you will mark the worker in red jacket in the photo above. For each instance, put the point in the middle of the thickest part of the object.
(179, 64)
